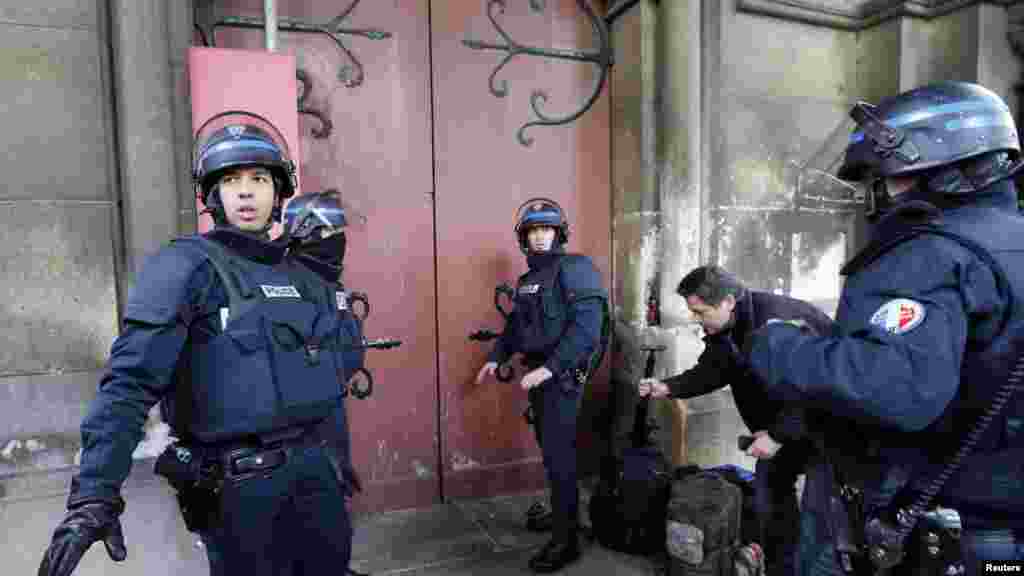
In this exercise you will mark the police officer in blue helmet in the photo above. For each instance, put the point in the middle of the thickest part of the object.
(236, 166)
(556, 324)
(315, 231)
(239, 346)
(924, 434)
(314, 227)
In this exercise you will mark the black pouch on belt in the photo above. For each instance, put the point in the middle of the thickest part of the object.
(197, 486)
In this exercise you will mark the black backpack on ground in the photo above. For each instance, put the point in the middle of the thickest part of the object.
(627, 508)
(628, 515)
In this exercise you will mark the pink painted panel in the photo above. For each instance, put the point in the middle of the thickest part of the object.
(254, 81)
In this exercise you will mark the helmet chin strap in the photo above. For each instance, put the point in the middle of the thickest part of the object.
(881, 201)
(971, 176)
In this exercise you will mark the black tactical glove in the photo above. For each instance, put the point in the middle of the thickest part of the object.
(83, 525)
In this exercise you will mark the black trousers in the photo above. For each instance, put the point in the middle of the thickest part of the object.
(556, 406)
(291, 521)
(775, 502)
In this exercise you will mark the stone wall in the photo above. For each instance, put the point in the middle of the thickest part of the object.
(92, 96)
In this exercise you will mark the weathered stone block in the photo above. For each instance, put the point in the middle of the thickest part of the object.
(54, 115)
(52, 13)
(58, 301)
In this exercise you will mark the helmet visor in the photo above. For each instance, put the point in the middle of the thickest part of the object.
(313, 216)
(816, 182)
(539, 212)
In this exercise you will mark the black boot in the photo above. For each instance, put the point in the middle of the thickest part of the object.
(555, 555)
(539, 518)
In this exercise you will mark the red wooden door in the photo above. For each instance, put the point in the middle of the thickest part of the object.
(483, 174)
(429, 159)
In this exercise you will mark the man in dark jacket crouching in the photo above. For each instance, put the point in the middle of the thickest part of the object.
(729, 313)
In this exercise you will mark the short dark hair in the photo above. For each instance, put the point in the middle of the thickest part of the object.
(711, 284)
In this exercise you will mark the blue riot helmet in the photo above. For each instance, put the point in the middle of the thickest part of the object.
(541, 212)
(314, 225)
(957, 137)
(237, 139)
(310, 216)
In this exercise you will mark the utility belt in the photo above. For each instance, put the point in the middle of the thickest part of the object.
(874, 545)
(198, 472)
(574, 377)
(239, 461)
(579, 373)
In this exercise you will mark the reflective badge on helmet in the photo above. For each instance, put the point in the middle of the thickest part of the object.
(529, 289)
(342, 300)
(280, 291)
(899, 316)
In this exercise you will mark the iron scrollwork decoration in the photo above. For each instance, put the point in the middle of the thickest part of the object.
(600, 58)
(305, 86)
(616, 11)
(351, 73)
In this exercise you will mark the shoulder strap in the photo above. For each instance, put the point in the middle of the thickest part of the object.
(228, 267)
(240, 296)
(225, 265)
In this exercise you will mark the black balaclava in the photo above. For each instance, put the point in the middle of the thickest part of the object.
(325, 256)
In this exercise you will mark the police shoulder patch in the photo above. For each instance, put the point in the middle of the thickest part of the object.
(899, 315)
(342, 297)
(280, 291)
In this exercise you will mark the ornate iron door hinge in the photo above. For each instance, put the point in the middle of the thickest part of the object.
(601, 58)
(351, 73)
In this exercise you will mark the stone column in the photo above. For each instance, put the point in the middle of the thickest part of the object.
(656, 223)
(143, 83)
(180, 32)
